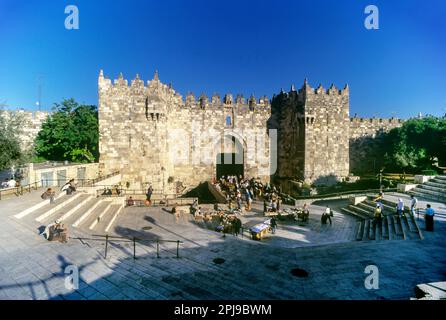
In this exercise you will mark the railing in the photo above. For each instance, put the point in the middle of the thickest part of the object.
(83, 182)
(109, 239)
(20, 190)
(157, 198)
(340, 195)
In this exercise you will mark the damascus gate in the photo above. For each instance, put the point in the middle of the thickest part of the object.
(153, 136)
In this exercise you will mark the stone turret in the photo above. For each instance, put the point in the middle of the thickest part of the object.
(228, 99)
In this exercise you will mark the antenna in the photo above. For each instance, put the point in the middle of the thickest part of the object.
(39, 90)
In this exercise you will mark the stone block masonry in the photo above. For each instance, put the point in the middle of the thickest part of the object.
(153, 136)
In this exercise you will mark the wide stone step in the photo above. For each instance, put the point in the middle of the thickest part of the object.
(435, 183)
(104, 225)
(83, 207)
(384, 229)
(405, 227)
(390, 228)
(367, 206)
(366, 214)
(366, 230)
(359, 230)
(437, 194)
(441, 177)
(431, 188)
(59, 210)
(97, 215)
(353, 214)
(424, 195)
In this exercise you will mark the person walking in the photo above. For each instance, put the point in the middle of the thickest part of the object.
(429, 218)
(327, 216)
(273, 225)
(413, 205)
(377, 220)
(400, 208)
(149, 196)
(237, 226)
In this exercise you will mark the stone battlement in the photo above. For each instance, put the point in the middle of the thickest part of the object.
(137, 86)
(374, 120)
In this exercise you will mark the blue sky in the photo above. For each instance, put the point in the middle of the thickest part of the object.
(229, 46)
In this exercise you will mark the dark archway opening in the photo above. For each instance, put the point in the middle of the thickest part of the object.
(231, 161)
(228, 165)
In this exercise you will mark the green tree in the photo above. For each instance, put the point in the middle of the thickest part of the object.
(417, 145)
(11, 152)
(71, 133)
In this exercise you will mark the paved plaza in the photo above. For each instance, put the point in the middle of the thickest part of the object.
(210, 265)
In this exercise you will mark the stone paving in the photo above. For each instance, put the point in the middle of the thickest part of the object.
(32, 268)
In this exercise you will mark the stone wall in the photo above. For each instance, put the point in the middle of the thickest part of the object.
(313, 133)
(365, 139)
(154, 137)
(31, 124)
(56, 173)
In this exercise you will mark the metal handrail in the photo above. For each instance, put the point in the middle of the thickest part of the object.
(339, 194)
(86, 182)
(19, 191)
(134, 240)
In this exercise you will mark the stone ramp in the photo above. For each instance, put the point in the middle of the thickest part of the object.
(207, 193)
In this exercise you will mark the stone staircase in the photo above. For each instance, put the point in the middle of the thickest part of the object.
(392, 227)
(80, 210)
(434, 189)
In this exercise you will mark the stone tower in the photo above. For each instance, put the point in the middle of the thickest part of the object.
(313, 133)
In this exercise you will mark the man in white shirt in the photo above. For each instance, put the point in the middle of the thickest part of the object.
(12, 183)
(400, 207)
(413, 204)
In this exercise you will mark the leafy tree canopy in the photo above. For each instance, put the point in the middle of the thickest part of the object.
(417, 145)
(11, 153)
(71, 133)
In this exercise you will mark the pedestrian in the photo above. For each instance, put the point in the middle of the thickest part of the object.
(327, 216)
(237, 226)
(377, 216)
(273, 225)
(149, 196)
(400, 207)
(249, 201)
(413, 204)
(429, 218)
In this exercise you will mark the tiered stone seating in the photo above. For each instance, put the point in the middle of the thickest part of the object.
(392, 227)
(434, 189)
(80, 210)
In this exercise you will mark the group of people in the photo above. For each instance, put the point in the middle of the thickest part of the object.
(9, 183)
(109, 192)
(241, 190)
(56, 231)
(50, 193)
(399, 209)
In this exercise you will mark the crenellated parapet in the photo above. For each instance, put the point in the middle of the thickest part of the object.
(363, 127)
(155, 89)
